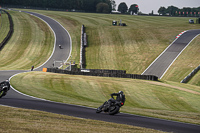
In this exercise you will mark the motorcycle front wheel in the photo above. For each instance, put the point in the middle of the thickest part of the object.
(99, 110)
(113, 109)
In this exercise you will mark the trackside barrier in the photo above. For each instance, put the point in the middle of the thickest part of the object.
(44, 69)
(3, 43)
(82, 48)
(104, 73)
(187, 78)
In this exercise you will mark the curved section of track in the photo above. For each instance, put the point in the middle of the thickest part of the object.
(162, 63)
(62, 38)
(15, 99)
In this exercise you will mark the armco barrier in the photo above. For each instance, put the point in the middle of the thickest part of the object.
(104, 73)
(187, 79)
(3, 43)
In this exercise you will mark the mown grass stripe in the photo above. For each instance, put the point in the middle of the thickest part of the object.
(4, 23)
(93, 91)
(31, 43)
(143, 40)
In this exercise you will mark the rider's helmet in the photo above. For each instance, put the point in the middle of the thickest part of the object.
(121, 92)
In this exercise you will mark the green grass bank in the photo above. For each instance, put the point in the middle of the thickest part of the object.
(166, 100)
(4, 26)
(131, 48)
(17, 120)
(31, 43)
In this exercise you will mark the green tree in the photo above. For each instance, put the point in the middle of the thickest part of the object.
(172, 10)
(86, 5)
(134, 8)
(122, 7)
(102, 8)
(162, 10)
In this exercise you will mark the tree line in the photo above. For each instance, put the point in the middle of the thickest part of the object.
(105, 6)
(175, 11)
(123, 8)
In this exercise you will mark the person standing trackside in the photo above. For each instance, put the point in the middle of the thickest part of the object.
(60, 46)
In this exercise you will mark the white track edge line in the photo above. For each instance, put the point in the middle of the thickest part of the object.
(178, 56)
(161, 54)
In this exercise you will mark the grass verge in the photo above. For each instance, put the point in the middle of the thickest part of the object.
(17, 120)
(4, 26)
(168, 100)
(31, 43)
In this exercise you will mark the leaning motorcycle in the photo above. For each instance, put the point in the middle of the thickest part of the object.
(4, 87)
(110, 108)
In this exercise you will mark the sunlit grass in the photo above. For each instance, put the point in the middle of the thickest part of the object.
(131, 48)
(168, 100)
(31, 43)
(17, 120)
(4, 26)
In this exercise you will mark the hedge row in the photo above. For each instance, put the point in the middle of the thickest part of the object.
(3, 43)
(104, 73)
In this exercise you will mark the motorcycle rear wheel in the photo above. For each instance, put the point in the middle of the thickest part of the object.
(113, 109)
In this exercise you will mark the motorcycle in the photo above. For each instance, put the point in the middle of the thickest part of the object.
(111, 108)
(4, 87)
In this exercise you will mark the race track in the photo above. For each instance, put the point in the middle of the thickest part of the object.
(16, 99)
(164, 61)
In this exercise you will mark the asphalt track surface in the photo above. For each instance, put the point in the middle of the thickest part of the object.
(164, 61)
(17, 99)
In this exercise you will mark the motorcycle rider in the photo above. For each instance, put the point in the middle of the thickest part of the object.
(6, 83)
(120, 97)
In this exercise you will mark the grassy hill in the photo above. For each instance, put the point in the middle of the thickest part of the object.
(168, 100)
(31, 43)
(4, 26)
(130, 48)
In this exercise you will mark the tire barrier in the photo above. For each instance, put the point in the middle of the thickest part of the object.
(189, 77)
(82, 49)
(6, 39)
(103, 73)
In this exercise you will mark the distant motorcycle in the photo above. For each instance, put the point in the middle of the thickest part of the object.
(4, 87)
(111, 108)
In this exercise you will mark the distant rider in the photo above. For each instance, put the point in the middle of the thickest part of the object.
(5, 83)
